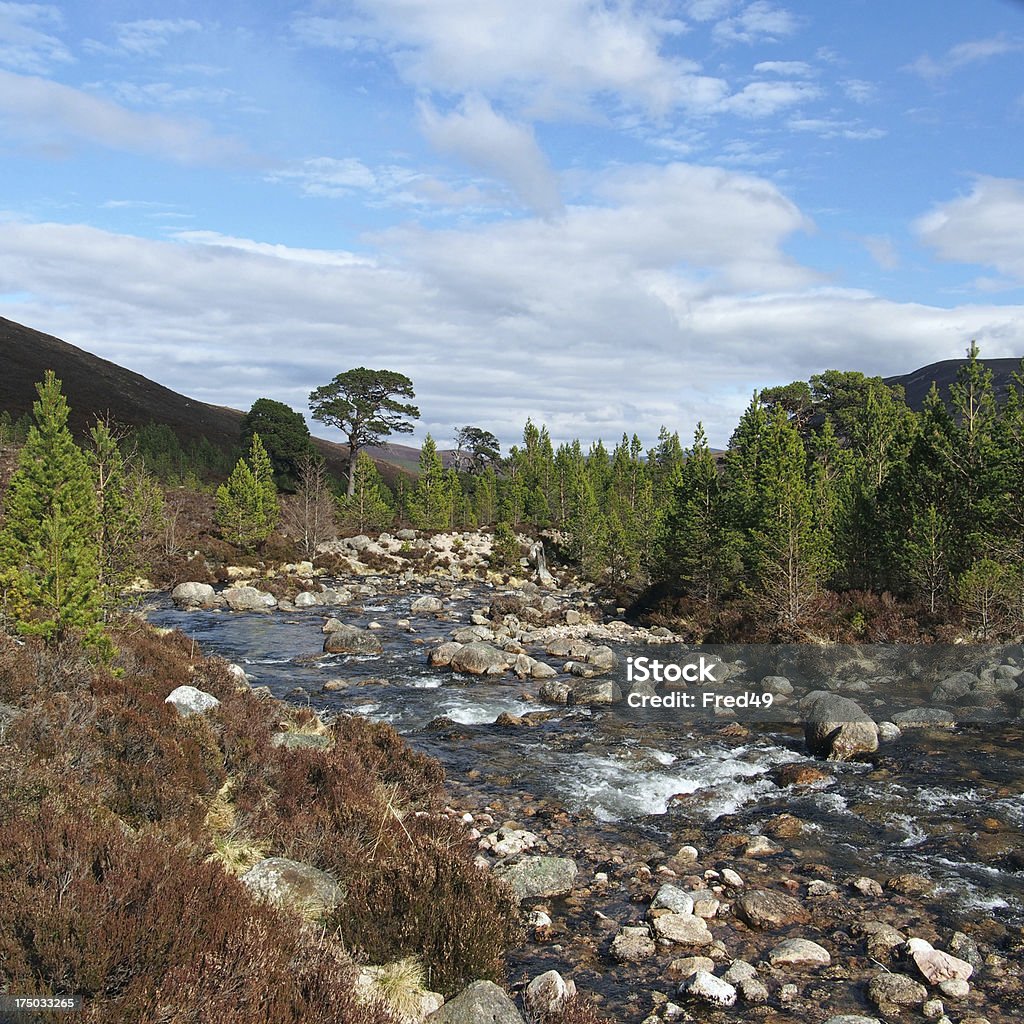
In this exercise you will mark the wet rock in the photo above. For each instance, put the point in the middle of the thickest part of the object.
(852, 1018)
(836, 727)
(441, 656)
(581, 692)
(345, 639)
(687, 966)
(426, 604)
(305, 599)
(480, 659)
(685, 929)
(820, 888)
(784, 826)
(483, 1002)
(249, 599)
(761, 846)
(634, 944)
(867, 887)
(935, 965)
(705, 903)
(753, 990)
(739, 970)
(778, 685)
(732, 878)
(891, 992)
(953, 687)
(933, 1009)
(889, 732)
(602, 658)
(910, 884)
(955, 988)
(799, 952)
(548, 993)
(541, 670)
(881, 940)
(705, 987)
(509, 842)
(289, 883)
(761, 909)
(539, 876)
(924, 718)
(195, 595)
(188, 700)
(674, 899)
(966, 948)
(801, 775)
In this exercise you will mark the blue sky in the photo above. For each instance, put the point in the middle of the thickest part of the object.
(607, 216)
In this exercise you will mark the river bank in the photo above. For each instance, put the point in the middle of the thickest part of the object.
(919, 839)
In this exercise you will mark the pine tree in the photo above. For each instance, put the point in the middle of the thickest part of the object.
(370, 506)
(49, 569)
(247, 508)
(485, 497)
(432, 504)
(700, 547)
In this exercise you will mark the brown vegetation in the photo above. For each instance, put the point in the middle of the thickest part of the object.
(120, 823)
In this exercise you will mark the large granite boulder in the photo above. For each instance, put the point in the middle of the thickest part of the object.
(481, 659)
(483, 1002)
(836, 727)
(292, 884)
(539, 876)
(345, 639)
(249, 599)
(195, 595)
(188, 700)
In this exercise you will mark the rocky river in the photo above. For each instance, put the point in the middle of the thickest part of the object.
(922, 838)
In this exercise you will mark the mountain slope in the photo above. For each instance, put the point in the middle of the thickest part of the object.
(918, 383)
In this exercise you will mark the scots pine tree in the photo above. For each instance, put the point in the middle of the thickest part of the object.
(369, 507)
(49, 572)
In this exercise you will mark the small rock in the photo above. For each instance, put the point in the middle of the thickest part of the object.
(910, 884)
(753, 990)
(686, 929)
(799, 952)
(867, 886)
(671, 897)
(731, 878)
(539, 876)
(761, 909)
(548, 993)
(852, 1018)
(889, 992)
(936, 966)
(632, 945)
(686, 966)
(889, 732)
(188, 700)
(933, 1009)
(708, 989)
(955, 988)
(739, 970)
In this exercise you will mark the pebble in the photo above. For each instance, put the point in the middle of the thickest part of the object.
(732, 879)
(955, 988)
(933, 1009)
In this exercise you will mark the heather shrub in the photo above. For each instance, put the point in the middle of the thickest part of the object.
(149, 936)
(428, 899)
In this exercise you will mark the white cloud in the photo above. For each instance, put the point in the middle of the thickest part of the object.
(666, 300)
(551, 55)
(709, 10)
(761, 99)
(145, 37)
(859, 91)
(796, 68)
(485, 140)
(26, 43)
(47, 114)
(162, 94)
(831, 128)
(985, 227)
(325, 176)
(758, 22)
(962, 55)
(882, 250)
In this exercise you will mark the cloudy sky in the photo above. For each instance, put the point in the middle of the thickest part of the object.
(605, 214)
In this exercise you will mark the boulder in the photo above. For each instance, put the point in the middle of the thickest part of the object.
(483, 1002)
(936, 966)
(426, 604)
(195, 595)
(539, 876)
(836, 727)
(344, 639)
(852, 1018)
(441, 656)
(188, 700)
(761, 909)
(480, 659)
(292, 884)
(306, 599)
(249, 599)
(953, 687)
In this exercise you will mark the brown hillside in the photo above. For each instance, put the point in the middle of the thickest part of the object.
(97, 387)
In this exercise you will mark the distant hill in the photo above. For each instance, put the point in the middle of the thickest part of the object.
(96, 386)
(918, 383)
